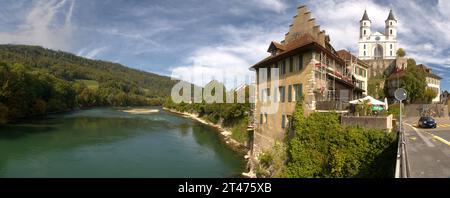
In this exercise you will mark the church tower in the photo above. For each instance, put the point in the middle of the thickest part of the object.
(374, 45)
(391, 35)
(365, 24)
(378, 48)
(364, 35)
(391, 26)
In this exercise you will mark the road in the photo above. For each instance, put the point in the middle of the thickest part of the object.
(428, 150)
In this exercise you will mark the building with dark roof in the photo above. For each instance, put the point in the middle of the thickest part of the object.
(303, 67)
(433, 81)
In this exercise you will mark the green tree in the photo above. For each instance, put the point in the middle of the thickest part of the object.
(414, 81)
(429, 95)
(401, 52)
(3, 113)
(40, 107)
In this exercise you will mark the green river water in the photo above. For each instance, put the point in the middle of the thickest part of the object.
(104, 143)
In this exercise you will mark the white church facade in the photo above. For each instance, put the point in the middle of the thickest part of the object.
(376, 45)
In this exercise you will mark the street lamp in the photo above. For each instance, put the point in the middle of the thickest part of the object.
(400, 94)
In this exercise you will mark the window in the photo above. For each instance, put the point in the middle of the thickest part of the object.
(289, 122)
(298, 88)
(391, 23)
(261, 118)
(291, 64)
(283, 121)
(364, 73)
(364, 53)
(364, 46)
(276, 97)
(300, 62)
(257, 76)
(391, 46)
(391, 53)
(265, 94)
(364, 23)
(290, 93)
(364, 32)
(282, 90)
(391, 31)
(265, 118)
(268, 74)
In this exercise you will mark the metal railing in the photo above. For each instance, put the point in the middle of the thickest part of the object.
(402, 165)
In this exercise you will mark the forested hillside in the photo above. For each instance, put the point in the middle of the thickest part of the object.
(35, 81)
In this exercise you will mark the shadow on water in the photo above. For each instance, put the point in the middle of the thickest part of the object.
(203, 137)
(12, 132)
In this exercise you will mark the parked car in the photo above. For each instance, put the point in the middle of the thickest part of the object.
(427, 122)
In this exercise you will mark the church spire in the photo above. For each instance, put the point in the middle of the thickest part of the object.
(365, 16)
(391, 16)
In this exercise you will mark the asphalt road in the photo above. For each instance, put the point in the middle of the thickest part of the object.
(428, 150)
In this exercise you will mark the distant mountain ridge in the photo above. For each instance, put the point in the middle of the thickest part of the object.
(35, 81)
(70, 67)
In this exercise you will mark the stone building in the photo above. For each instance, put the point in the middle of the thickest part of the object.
(393, 82)
(309, 70)
(359, 69)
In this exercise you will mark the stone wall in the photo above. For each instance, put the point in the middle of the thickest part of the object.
(382, 122)
(433, 110)
(380, 67)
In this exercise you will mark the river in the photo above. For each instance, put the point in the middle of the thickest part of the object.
(105, 143)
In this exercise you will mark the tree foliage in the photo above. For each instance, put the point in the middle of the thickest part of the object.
(375, 87)
(414, 81)
(429, 95)
(35, 81)
(323, 148)
(233, 115)
(401, 52)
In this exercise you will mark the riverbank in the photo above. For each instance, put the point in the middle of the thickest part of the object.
(224, 132)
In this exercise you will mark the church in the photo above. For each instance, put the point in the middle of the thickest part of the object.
(376, 45)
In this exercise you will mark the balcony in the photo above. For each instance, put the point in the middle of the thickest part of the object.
(332, 106)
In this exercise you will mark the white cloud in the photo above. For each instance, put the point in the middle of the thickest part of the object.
(245, 46)
(39, 27)
(275, 5)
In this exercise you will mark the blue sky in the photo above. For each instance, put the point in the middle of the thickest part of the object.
(220, 38)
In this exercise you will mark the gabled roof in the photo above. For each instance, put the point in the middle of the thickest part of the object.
(365, 16)
(346, 56)
(276, 45)
(428, 71)
(396, 74)
(423, 68)
(391, 16)
(303, 42)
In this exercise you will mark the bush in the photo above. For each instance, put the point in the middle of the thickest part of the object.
(323, 148)
(239, 131)
(3, 113)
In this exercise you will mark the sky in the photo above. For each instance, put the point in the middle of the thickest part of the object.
(200, 40)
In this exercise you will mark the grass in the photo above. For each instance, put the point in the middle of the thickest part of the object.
(91, 84)
(239, 131)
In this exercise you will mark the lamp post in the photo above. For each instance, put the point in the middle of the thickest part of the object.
(400, 94)
(401, 166)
